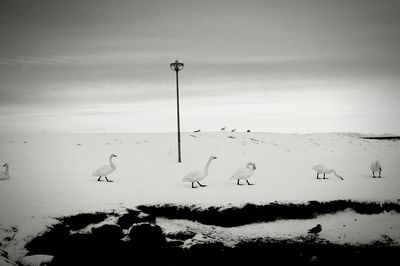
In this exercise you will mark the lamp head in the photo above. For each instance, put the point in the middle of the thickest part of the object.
(176, 66)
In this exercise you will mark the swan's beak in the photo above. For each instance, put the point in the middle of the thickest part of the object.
(5, 165)
(342, 178)
(254, 167)
(214, 157)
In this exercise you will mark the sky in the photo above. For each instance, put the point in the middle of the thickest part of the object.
(296, 66)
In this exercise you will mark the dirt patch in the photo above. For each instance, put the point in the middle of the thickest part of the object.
(251, 213)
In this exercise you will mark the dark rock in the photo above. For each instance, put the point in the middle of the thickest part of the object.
(80, 221)
(50, 241)
(182, 235)
(206, 252)
(108, 232)
(175, 243)
(146, 235)
(133, 217)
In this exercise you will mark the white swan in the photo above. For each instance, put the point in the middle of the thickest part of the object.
(106, 169)
(196, 176)
(5, 175)
(244, 173)
(376, 167)
(322, 169)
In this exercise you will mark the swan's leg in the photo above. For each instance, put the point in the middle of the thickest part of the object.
(373, 174)
(324, 176)
(380, 174)
(248, 183)
(99, 178)
(193, 185)
(201, 184)
(239, 183)
(108, 180)
(318, 176)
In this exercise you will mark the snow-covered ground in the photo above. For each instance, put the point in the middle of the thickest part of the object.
(51, 173)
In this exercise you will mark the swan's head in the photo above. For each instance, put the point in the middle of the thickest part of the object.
(5, 165)
(113, 155)
(252, 165)
(212, 157)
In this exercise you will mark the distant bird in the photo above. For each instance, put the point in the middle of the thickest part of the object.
(322, 169)
(196, 131)
(233, 130)
(223, 129)
(244, 173)
(315, 230)
(106, 169)
(5, 175)
(248, 130)
(376, 167)
(196, 176)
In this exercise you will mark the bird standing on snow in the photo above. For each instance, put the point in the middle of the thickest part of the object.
(244, 173)
(315, 230)
(233, 130)
(223, 128)
(376, 167)
(196, 176)
(5, 175)
(322, 169)
(106, 169)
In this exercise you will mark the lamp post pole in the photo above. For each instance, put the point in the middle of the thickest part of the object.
(177, 66)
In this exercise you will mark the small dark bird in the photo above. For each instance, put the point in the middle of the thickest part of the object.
(196, 131)
(248, 130)
(233, 130)
(315, 230)
(223, 129)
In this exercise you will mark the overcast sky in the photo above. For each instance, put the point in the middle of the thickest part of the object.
(268, 65)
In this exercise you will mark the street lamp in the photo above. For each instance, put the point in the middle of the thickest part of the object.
(177, 66)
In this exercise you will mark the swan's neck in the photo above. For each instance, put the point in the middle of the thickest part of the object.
(207, 165)
(111, 162)
(334, 172)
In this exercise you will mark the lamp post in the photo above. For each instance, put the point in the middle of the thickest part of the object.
(177, 66)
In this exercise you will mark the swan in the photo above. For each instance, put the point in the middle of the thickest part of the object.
(106, 169)
(244, 173)
(5, 175)
(196, 176)
(322, 169)
(376, 167)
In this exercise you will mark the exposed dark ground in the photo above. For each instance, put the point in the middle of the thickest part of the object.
(146, 243)
(394, 138)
